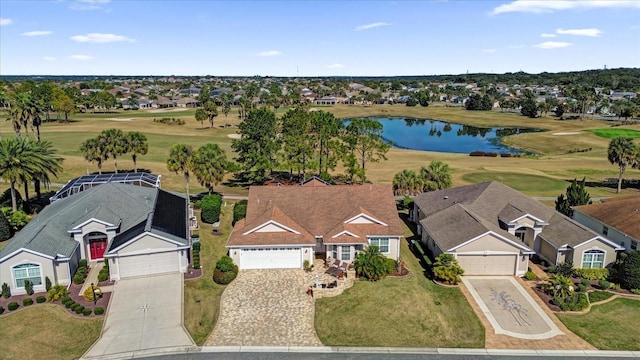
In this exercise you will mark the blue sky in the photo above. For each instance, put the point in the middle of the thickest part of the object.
(315, 38)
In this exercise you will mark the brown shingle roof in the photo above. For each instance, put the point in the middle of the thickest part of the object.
(316, 211)
(620, 213)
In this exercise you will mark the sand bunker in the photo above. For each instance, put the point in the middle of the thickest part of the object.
(567, 133)
(234, 136)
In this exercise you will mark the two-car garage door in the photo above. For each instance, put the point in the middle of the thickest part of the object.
(148, 264)
(488, 264)
(270, 258)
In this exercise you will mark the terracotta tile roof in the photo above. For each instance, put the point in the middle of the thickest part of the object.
(316, 211)
(621, 213)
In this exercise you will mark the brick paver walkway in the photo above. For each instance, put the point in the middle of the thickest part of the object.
(568, 341)
(266, 308)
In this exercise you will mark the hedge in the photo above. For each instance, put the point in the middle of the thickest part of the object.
(592, 274)
(211, 205)
(239, 211)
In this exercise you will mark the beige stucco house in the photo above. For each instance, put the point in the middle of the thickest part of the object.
(493, 229)
(286, 225)
(139, 230)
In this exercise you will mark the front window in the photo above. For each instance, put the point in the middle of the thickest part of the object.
(593, 259)
(346, 253)
(29, 272)
(381, 243)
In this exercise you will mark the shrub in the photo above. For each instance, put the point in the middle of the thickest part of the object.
(74, 306)
(225, 264)
(592, 274)
(82, 264)
(596, 296)
(69, 304)
(616, 287)
(196, 264)
(447, 269)
(57, 292)
(196, 246)
(565, 269)
(224, 277)
(575, 302)
(106, 265)
(12, 306)
(86, 312)
(28, 287)
(211, 205)
(47, 283)
(5, 228)
(27, 301)
(78, 279)
(636, 291)
(604, 284)
(6, 291)
(17, 219)
(239, 212)
(40, 299)
(372, 265)
(631, 271)
(103, 276)
(529, 275)
(79, 309)
(90, 291)
(582, 288)
(98, 310)
(1, 310)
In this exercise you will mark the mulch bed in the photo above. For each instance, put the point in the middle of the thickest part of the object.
(547, 299)
(403, 272)
(74, 289)
(193, 274)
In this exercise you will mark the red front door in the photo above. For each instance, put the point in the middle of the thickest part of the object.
(97, 248)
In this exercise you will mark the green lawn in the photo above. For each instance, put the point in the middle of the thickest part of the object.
(610, 133)
(522, 182)
(202, 296)
(46, 332)
(609, 326)
(411, 312)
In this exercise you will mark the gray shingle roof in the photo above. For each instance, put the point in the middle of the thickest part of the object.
(47, 233)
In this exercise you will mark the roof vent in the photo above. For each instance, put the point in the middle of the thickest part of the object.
(446, 197)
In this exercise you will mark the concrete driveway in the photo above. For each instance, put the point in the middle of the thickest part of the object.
(266, 308)
(509, 308)
(144, 313)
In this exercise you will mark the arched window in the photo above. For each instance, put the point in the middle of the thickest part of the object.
(593, 259)
(29, 272)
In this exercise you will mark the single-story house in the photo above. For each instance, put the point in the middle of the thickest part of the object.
(618, 219)
(493, 229)
(286, 225)
(140, 230)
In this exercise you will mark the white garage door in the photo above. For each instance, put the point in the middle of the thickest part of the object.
(287, 258)
(488, 264)
(148, 264)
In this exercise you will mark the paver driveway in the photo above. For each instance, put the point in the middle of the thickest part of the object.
(510, 310)
(145, 313)
(266, 307)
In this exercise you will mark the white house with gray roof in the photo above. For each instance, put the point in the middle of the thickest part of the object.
(493, 229)
(139, 230)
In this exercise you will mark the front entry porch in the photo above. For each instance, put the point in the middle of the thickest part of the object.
(97, 247)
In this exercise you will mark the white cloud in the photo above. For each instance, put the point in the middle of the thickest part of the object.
(49, 58)
(592, 32)
(37, 33)
(548, 35)
(547, 6)
(101, 38)
(81, 57)
(552, 45)
(82, 5)
(5, 21)
(269, 53)
(489, 51)
(335, 66)
(371, 26)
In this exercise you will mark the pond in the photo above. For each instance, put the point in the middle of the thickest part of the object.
(435, 135)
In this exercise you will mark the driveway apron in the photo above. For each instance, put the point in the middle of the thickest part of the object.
(266, 308)
(145, 313)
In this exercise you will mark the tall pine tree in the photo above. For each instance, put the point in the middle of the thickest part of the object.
(576, 195)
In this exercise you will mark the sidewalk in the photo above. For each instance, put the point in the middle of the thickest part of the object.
(92, 278)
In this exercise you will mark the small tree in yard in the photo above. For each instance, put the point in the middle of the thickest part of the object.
(631, 271)
(371, 264)
(28, 287)
(225, 271)
(47, 283)
(576, 195)
(210, 206)
(447, 269)
(6, 291)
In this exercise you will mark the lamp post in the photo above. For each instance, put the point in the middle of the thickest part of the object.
(93, 292)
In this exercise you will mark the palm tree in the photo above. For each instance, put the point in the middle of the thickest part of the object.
(23, 159)
(181, 160)
(227, 99)
(115, 144)
(406, 182)
(94, 151)
(211, 111)
(201, 116)
(371, 264)
(560, 286)
(208, 165)
(136, 145)
(446, 268)
(622, 152)
(436, 175)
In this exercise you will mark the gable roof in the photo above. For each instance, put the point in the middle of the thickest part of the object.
(621, 213)
(112, 203)
(459, 214)
(316, 211)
